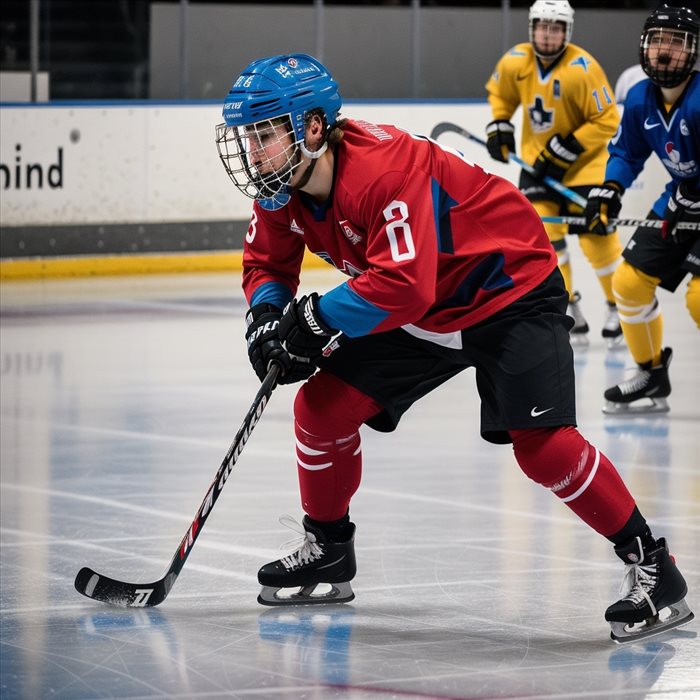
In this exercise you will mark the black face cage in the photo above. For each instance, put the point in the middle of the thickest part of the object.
(244, 150)
(678, 51)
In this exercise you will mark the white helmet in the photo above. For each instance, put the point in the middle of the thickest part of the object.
(551, 11)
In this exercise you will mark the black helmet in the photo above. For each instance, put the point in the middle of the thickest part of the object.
(683, 27)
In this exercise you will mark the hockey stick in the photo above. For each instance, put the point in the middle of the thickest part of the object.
(141, 595)
(649, 223)
(447, 127)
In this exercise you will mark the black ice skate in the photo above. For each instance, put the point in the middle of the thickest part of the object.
(579, 332)
(612, 330)
(653, 592)
(645, 392)
(317, 562)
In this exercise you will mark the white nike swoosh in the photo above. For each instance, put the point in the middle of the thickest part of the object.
(650, 126)
(534, 413)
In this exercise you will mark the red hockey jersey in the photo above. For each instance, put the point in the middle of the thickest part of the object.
(426, 238)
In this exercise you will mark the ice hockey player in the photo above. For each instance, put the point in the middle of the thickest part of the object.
(662, 116)
(569, 115)
(445, 262)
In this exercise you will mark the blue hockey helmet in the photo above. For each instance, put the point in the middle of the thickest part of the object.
(273, 96)
(292, 84)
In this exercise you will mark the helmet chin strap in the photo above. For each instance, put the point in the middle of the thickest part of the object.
(313, 156)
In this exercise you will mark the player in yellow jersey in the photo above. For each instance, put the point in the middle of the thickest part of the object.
(569, 115)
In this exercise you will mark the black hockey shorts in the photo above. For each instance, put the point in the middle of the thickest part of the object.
(664, 258)
(522, 356)
(536, 191)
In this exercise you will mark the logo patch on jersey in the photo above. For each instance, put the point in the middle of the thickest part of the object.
(556, 88)
(581, 61)
(684, 128)
(675, 165)
(541, 119)
(651, 125)
(353, 237)
(671, 151)
(295, 228)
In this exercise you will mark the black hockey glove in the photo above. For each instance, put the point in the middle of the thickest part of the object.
(684, 205)
(500, 139)
(264, 346)
(557, 157)
(302, 331)
(604, 204)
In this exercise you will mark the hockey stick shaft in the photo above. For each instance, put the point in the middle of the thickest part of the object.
(447, 127)
(121, 593)
(649, 223)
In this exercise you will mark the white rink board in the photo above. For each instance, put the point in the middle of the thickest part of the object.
(158, 163)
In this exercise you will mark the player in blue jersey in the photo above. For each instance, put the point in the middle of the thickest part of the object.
(662, 116)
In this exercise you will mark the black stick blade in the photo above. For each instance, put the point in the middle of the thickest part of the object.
(443, 128)
(120, 593)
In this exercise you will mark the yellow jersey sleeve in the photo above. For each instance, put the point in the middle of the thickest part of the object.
(572, 96)
(503, 87)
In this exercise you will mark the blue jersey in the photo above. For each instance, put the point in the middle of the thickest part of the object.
(646, 127)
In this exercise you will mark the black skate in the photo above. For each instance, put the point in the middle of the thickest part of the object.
(317, 562)
(612, 330)
(653, 591)
(579, 332)
(645, 392)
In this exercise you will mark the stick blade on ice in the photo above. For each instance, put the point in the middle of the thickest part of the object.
(121, 593)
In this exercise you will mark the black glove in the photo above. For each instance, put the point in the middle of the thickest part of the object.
(302, 331)
(264, 346)
(684, 205)
(500, 139)
(604, 204)
(557, 157)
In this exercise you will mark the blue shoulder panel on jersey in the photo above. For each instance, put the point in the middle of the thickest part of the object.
(274, 293)
(344, 309)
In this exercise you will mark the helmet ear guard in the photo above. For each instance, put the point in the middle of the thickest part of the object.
(290, 87)
(666, 28)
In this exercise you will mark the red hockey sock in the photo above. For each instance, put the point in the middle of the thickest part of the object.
(327, 416)
(578, 473)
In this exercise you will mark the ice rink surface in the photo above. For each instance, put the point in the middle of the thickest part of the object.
(120, 398)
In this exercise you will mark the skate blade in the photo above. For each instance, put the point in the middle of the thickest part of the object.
(616, 343)
(611, 408)
(668, 618)
(306, 595)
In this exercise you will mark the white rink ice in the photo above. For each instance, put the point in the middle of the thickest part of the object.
(121, 396)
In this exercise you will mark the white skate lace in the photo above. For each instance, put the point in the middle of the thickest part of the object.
(308, 549)
(639, 381)
(636, 583)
